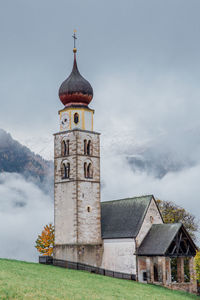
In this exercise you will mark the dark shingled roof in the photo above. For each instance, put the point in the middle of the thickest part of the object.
(76, 83)
(123, 218)
(158, 239)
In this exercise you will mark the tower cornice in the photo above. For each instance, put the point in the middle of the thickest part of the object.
(75, 108)
(75, 130)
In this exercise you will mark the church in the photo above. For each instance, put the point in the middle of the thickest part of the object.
(123, 238)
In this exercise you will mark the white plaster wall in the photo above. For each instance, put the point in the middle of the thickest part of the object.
(119, 255)
(147, 223)
(88, 120)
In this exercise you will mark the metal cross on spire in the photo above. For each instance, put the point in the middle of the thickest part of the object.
(75, 38)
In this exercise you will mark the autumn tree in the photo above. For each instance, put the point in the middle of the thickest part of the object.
(45, 241)
(173, 213)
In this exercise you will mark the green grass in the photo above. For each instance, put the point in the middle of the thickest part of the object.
(21, 280)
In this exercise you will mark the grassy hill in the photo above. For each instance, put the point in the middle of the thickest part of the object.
(21, 280)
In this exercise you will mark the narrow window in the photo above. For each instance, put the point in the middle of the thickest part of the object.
(62, 170)
(85, 170)
(65, 170)
(63, 148)
(85, 147)
(89, 170)
(67, 147)
(88, 209)
(89, 148)
(76, 118)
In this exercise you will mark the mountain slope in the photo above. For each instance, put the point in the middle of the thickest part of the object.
(16, 158)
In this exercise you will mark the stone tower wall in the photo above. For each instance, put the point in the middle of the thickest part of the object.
(77, 199)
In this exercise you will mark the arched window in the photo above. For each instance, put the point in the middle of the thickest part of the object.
(76, 118)
(85, 170)
(65, 170)
(85, 147)
(89, 148)
(89, 171)
(65, 148)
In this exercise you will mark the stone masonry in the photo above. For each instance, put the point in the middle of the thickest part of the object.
(77, 200)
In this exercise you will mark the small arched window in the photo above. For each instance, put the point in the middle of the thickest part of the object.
(65, 148)
(89, 171)
(85, 147)
(76, 118)
(65, 170)
(89, 148)
(85, 170)
(151, 219)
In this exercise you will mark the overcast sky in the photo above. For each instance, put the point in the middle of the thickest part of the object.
(143, 61)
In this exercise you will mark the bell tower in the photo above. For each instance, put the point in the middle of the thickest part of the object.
(77, 215)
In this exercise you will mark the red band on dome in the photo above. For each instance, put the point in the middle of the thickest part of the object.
(68, 99)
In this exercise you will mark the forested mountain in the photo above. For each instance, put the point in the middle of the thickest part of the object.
(17, 158)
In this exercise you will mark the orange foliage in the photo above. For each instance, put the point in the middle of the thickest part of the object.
(45, 241)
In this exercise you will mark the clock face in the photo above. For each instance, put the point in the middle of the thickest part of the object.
(64, 121)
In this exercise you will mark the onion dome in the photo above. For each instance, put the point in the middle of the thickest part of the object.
(75, 90)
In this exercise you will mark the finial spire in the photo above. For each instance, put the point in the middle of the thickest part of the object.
(75, 90)
(75, 38)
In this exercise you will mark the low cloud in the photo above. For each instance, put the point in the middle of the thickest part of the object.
(24, 210)
(150, 140)
(150, 144)
(119, 181)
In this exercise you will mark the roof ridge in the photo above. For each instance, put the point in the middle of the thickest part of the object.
(129, 198)
(177, 223)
